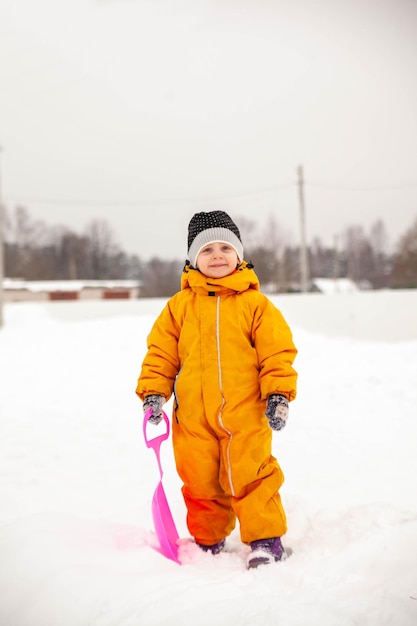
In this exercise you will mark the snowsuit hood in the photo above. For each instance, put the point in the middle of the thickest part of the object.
(242, 279)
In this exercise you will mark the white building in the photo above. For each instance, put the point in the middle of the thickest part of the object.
(15, 290)
(334, 285)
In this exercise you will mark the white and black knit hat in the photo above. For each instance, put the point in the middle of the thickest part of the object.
(206, 228)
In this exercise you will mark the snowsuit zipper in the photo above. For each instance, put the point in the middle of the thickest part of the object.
(219, 417)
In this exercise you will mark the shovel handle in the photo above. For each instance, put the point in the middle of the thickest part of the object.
(156, 442)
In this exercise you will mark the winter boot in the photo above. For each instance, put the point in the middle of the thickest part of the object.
(264, 551)
(215, 548)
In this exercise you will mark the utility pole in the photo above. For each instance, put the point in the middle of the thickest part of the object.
(303, 247)
(1, 252)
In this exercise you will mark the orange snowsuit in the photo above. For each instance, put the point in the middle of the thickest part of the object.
(222, 347)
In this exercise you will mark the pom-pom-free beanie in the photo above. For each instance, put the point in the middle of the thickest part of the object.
(206, 228)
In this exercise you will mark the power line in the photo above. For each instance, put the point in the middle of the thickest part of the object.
(217, 198)
(400, 186)
(197, 199)
(138, 203)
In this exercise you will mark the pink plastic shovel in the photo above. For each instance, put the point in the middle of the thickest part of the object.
(165, 528)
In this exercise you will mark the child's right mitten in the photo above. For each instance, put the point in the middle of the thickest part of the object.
(154, 402)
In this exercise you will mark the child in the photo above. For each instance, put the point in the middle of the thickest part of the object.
(226, 353)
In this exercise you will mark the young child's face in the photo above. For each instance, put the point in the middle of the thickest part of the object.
(217, 260)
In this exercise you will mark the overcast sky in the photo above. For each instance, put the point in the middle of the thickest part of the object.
(143, 112)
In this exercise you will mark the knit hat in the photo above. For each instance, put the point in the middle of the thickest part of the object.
(206, 228)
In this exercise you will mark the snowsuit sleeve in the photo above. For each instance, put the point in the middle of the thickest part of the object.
(161, 363)
(276, 352)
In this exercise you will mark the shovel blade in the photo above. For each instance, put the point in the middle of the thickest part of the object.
(165, 528)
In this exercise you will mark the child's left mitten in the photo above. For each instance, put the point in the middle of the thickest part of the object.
(277, 411)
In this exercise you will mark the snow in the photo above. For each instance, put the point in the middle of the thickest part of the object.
(76, 479)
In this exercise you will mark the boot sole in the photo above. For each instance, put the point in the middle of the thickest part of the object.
(265, 559)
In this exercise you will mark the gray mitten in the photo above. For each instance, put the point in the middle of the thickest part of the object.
(154, 402)
(277, 411)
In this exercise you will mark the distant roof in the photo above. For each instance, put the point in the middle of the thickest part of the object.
(335, 285)
(67, 285)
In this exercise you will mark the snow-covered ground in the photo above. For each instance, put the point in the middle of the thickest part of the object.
(76, 479)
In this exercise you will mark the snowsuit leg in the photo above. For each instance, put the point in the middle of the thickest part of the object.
(210, 516)
(258, 505)
(256, 478)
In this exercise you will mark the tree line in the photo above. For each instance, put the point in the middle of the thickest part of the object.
(36, 251)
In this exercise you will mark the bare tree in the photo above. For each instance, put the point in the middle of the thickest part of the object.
(379, 243)
(266, 251)
(358, 253)
(102, 248)
(248, 232)
(292, 268)
(73, 252)
(322, 260)
(274, 241)
(161, 278)
(404, 271)
(24, 236)
(34, 251)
